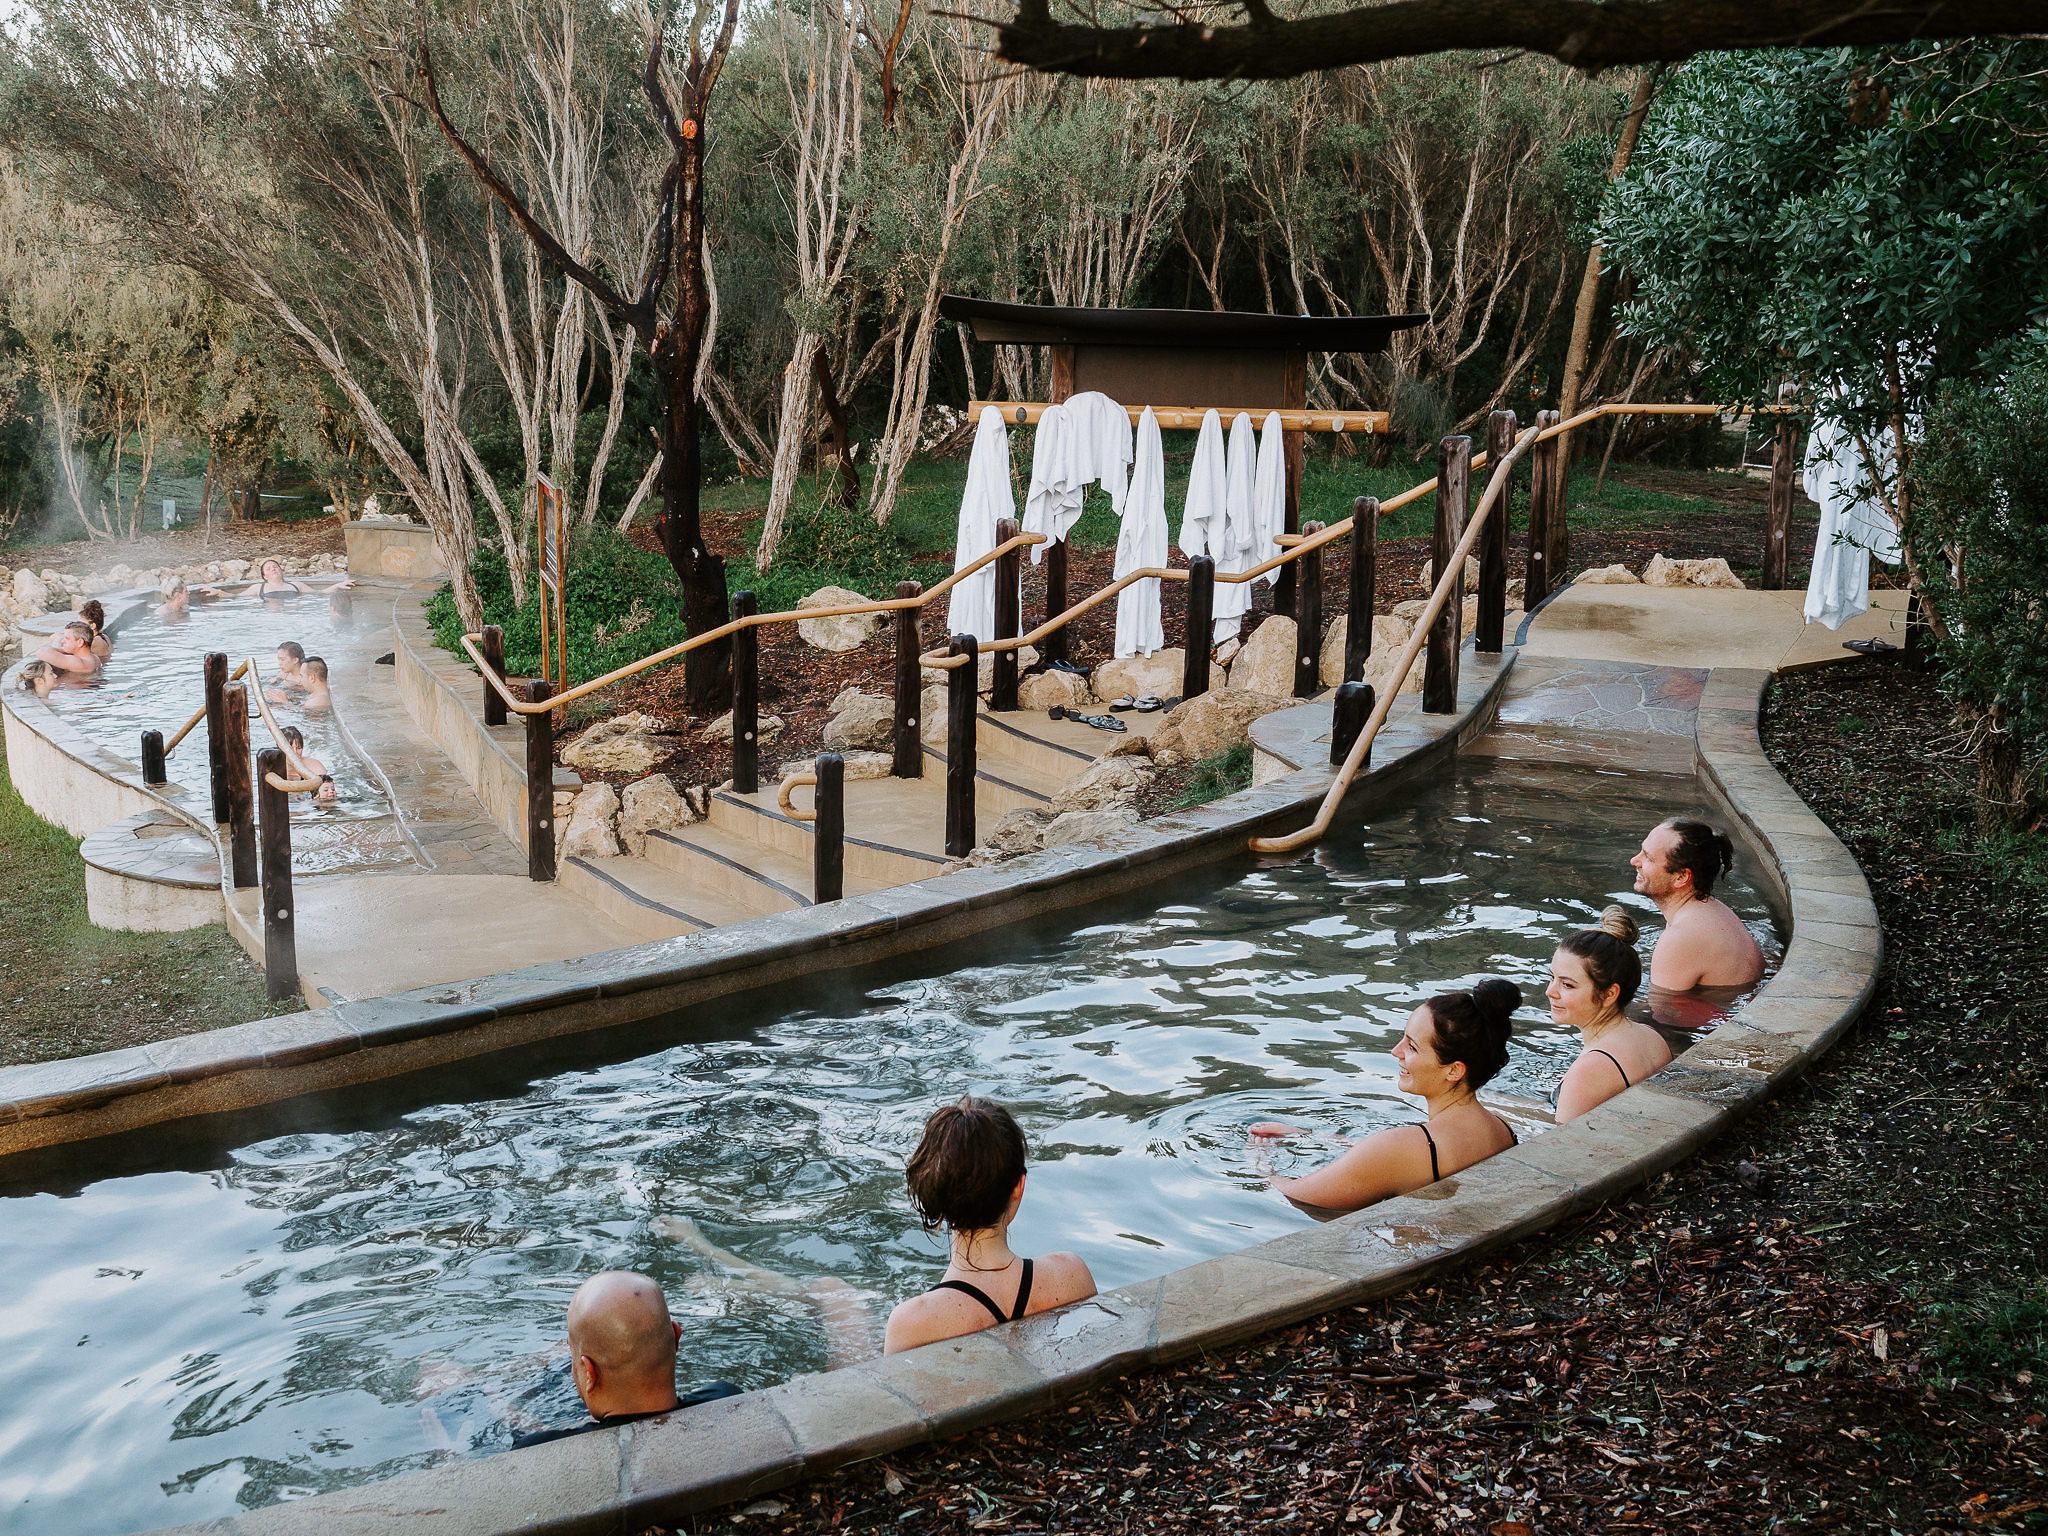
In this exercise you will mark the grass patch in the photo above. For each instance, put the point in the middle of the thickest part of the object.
(68, 988)
(1214, 777)
(2016, 855)
(1996, 1336)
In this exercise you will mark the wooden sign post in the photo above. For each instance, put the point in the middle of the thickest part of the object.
(553, 533)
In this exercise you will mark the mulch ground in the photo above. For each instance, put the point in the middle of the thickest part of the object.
(257, 540)
(1833, 1320)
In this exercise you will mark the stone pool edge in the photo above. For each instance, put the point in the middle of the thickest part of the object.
(625, 1479)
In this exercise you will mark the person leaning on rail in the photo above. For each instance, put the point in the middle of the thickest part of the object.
(311, 767)
(69, 653)
(1593, 976)
(1452, 1046)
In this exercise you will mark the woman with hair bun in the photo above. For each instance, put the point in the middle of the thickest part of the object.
(1593, 976)
(967, 1176)
(1452, 1045)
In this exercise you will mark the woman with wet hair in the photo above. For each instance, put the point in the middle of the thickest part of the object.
(36, 677)
(1451, 1047)
(967, 1175)
(1593, 976)
(274, 583)
(92, 611)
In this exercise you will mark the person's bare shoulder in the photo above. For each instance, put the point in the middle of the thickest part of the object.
(1059, 1278)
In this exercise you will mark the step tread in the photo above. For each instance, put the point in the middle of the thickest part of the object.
(665, 891)
(906, 817)
(776, 871)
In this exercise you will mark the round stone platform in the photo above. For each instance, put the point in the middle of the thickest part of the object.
(151, 873)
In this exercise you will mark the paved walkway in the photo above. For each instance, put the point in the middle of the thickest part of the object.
(1701, 627)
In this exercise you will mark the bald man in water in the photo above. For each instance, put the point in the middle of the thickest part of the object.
(622, 1353)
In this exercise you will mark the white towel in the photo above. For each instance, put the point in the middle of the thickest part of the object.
(1053, 500)
(1853, 524)
(1269, 496)
(971, 606)
(1201, 521)
(1142, 543)
(1102, 435)
(1240, 528)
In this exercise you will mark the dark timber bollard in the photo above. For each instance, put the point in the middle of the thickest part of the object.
(1557, 541)
(746, 698)
(216, 732)
(1365, 563)
(1349, 710)
(153, 769)
(960, 702)
(1778, 536)
(909, 763)
(1308, 621)
(494, 658)
(828, 853)
(1194, 677)
(274, 816)
(540, 783)
(1491, 632)
(1544, 575)
(1002, 693)
(241, 795)
(1055, 647)
(1453, 503)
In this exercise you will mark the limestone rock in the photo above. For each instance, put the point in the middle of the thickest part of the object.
(1085, 826)
(863, 722)
(932, 716)
(628, 743)
(1689, 573)
(590, 834)
(721, 728)
(1379, 670)
(985, 668)
(841, 633)
(1518, 592)
(1389, 633)
(859, 765)
(1412, 612)
(1132, 745)
(1017, 831)
(1046, 690)
(31, 593)
(1224, 654)
(1608, 576)
(234, 570)
(651, 805)
(1265, 664)
(1471, 572)
(565, 800)
(1105, 783)
(1213, 723)
(1133, 677)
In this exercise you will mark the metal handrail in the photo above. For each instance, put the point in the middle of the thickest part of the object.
(200, 713)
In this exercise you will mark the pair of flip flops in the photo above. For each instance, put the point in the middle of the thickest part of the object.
(1100, 722)
(1870, 647)
(1066, 666)
(1144, 704)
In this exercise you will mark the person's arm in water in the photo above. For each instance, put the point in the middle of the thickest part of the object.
(1385, 1163)
(843, 1315)
(68, 661)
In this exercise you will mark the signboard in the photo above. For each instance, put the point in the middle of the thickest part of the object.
(553, 534)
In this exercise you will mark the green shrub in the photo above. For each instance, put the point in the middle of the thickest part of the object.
(823, 546)
(1214, 777)
(1998, 1336)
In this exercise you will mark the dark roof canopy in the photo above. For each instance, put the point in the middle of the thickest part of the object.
(1044, 324)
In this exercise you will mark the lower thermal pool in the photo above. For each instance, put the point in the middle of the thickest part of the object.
(350, 1288)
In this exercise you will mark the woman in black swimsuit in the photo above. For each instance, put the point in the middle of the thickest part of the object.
(1453, 1045)
(967, 1175)
(1593, 976)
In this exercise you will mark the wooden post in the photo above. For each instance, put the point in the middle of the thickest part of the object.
(540, 783)
(828, 852)
(1348, 714)
(1293, 396)
(216, 732)
(1055, 646)
(1194, 677)
(1002, 694)
(274, 816)
(1557, 544)
(961, 699)
(153, 769)
(1491, 633)
(909, 761)
(1542, 577)
(241, 794)
(1453, 502)
(1365, 563)
(746, 698)
(1308, 621)
(1778, 535)
(494, 658)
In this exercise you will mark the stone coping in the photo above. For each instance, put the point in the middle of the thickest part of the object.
(159, 846)
(624, 1479)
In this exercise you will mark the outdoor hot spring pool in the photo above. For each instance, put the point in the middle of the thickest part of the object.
(345, 1289)
(154, 681)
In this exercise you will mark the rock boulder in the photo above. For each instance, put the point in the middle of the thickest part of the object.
(721, 728)
(1017, 831)
(1213, 723)
(839, 633)
(1133, 677)
(1085, 827)
(1106, 783)
(651, 805)
(1266, 662)
(628, 743)
(864, 722)
(1608, 576)
(590, 834)
(1047, 690)
(1389, 633)
(1689, 573)
(31, 593)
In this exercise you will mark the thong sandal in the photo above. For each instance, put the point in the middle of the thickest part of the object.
(1145, 704)
(1124, 703)
(1100, 722)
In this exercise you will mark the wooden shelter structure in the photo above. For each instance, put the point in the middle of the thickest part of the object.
(1183, 363)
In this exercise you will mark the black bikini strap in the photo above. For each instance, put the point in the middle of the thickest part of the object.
(976, 1292)
(1023, 1293)
(1617, 1067)
(1513, 1139)
(1433, 1174)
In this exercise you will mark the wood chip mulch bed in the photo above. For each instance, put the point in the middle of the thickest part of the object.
(1768, 1339)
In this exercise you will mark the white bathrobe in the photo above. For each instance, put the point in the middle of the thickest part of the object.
(1081, 442)
(1269, 495)
(1854, 524)
(971, 606)
(1102, 434)
(1201, 521)
(1240, 528)
(1142, 543)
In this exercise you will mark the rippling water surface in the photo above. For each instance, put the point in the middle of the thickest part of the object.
(373, 1283)
(153, 682)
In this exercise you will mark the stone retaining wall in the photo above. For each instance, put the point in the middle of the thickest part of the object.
(438, 689)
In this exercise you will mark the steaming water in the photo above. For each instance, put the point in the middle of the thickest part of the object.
(153, 681)
(196, 1321)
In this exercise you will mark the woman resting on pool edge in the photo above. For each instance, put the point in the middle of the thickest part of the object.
(967, 1175)
(1593, 976)
(1452, 1046)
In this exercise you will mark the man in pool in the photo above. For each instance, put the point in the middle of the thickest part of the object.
(69, 652)
(313, 678)
(622, 1355)
(1704, 944)
(308, 767)
(291, 661)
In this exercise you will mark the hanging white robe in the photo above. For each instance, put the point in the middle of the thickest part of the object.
(1240, 528)
(1201, 520)
(1269, 495)
(1053, 500)
(1142, 543)
(1102, 435)
(1854, 524)
(971, 606)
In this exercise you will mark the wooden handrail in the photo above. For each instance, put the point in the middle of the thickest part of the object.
(1027, 413)
(782, 800)
(263, 704)
(199, 714)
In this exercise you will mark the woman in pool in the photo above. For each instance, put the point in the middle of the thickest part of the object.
(36, 677)
(275, 584)
(92, 611)
(308, 767)
(177, 599)
(967, 1175)
(1452, 1046)
(1593, 976)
